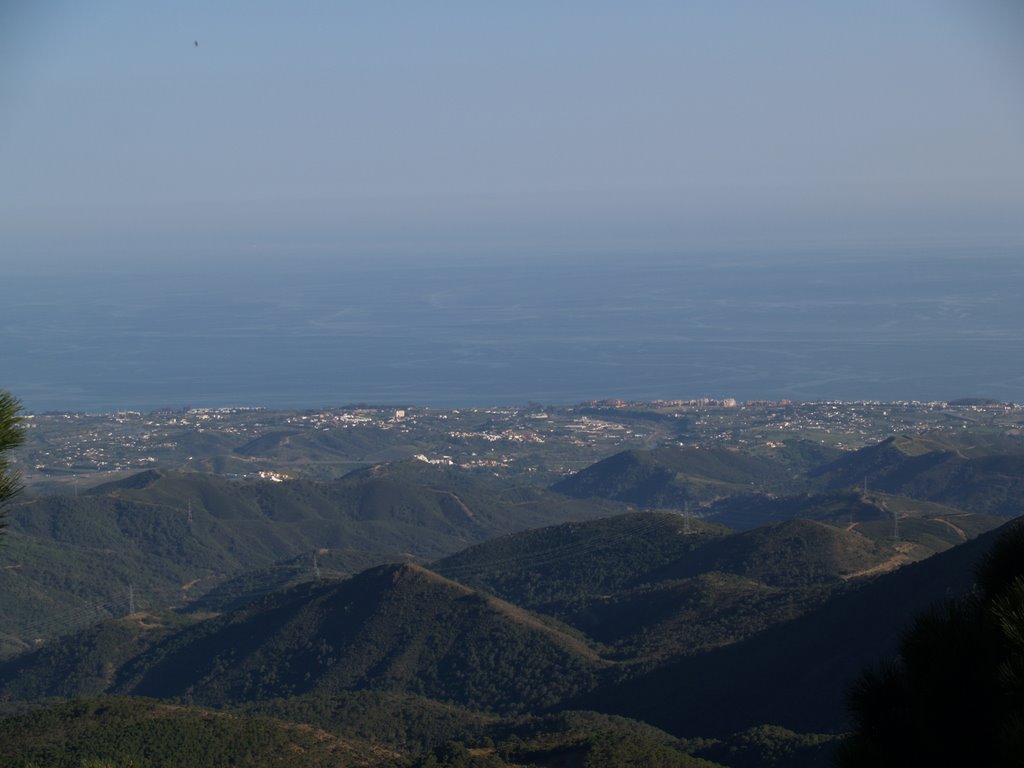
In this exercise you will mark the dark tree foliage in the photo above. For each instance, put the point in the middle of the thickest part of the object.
(455, 755)
(955, 695)
(11, 436)
(139, 733)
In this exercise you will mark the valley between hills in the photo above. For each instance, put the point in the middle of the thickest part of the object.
(649, 584)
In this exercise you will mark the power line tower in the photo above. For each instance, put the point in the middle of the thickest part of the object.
(316, 568)
(131, 598)
(895, 527)
(687, 528)
(189, 517)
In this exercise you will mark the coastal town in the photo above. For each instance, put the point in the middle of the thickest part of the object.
(74, 451)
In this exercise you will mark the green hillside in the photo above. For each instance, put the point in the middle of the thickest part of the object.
(974, 472)
(554, 628)
(795, 673)
(402, 721)
(390, 628)
(556, 568)
(674, 476)
(654, 584)
(922, 527)
(85, 663)
(664, 619)
(978, 473)
(136, 732)
(407, 657)
(795, 553)
(240, 590)
(168, 538)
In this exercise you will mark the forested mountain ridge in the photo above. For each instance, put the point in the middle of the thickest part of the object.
(795, 673)
(406, 629)
(940, 467)
(640, 586)
(395, 627)
(794, 553)
(660, 617)
(169, 537)
(674, 476)
(659, 584)
(148, 732)
(982, 474)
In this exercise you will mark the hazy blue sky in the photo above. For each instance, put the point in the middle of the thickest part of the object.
(488, 127)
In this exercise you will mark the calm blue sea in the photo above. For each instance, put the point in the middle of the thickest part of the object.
(881, 324)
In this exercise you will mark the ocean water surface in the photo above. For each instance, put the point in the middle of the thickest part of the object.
(886, 324)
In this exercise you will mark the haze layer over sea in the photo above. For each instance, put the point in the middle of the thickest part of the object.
(887, 324)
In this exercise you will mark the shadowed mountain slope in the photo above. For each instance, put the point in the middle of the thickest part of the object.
(85, 663)
(170, 537)
(794, 553)
(793, 674)
(674, 476)
(783, 643)
(655, 584)
(977, 473)
(396, 627)
(550, 569)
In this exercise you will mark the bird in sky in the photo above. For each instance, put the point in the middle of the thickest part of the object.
(196, 42)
